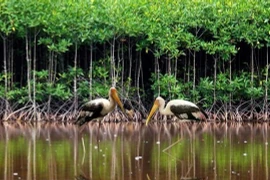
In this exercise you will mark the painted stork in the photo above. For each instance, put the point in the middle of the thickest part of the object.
(98, 108)
(178, 107)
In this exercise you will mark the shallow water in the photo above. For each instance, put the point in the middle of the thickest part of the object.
(134, 151)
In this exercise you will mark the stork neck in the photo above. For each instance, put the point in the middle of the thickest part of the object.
(112, 102)
(162, 107)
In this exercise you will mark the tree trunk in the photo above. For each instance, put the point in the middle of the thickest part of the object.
(230, 78)
(91, 73)
(215, 77)
(118, 61)
(185, 69)
(113, 63)
(194, 70)
(252, 80)
(5, 74)
(175, 72)
(28, 60)
(34, 76)
(141, 70)
(266, 86)
(157, 74)
(75, 102)
(54, 67)
(138, 77)
(11, 64)
(123, 66)
(169, 71)
(169, 65)
(130, 66)
(252, 66)
(175, 67)
(188, 68)
(50, 78)
(205, 67)
(8, 65)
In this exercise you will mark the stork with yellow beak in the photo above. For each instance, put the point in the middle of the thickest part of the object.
(98, 108)
(179, 108)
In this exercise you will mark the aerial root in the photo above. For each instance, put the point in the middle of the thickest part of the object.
(66, 112)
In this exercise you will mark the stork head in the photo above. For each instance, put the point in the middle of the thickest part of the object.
(113, 93)
(155, 106)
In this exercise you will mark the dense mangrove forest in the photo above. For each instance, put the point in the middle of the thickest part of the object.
(56, 55)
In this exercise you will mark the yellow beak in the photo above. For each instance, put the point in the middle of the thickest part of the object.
(153, 110)
(117, 100)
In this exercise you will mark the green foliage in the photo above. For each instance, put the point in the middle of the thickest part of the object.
(239, 87)
(255, 92)
(59, 45)
(18, 95)
(62, 88)
(2, 88)
(83, 90)
(58, 90)
(169, 86)
(167, 25)
(8, 21)
(163, 27)
(206, 88)
(42, 75)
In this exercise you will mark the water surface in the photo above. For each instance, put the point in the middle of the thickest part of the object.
(134, 151)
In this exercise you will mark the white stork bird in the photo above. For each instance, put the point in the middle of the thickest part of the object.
(98, 108)
(178, 107)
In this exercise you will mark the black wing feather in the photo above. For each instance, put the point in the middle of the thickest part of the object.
(178, 110)
(88, 112)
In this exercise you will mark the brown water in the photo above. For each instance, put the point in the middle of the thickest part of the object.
(134, 151)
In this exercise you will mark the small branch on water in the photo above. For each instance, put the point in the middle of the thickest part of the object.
(169, 147)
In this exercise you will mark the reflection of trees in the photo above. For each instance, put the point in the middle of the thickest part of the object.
(103, 150)
(7, 154)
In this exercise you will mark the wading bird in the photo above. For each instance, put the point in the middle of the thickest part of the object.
(98, 108)
(180, 108)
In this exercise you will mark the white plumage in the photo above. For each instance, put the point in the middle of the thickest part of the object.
(98, 108)
(179, 108)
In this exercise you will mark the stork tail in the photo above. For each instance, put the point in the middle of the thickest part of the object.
(82, 118)
(80, 121)
(204, 116)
